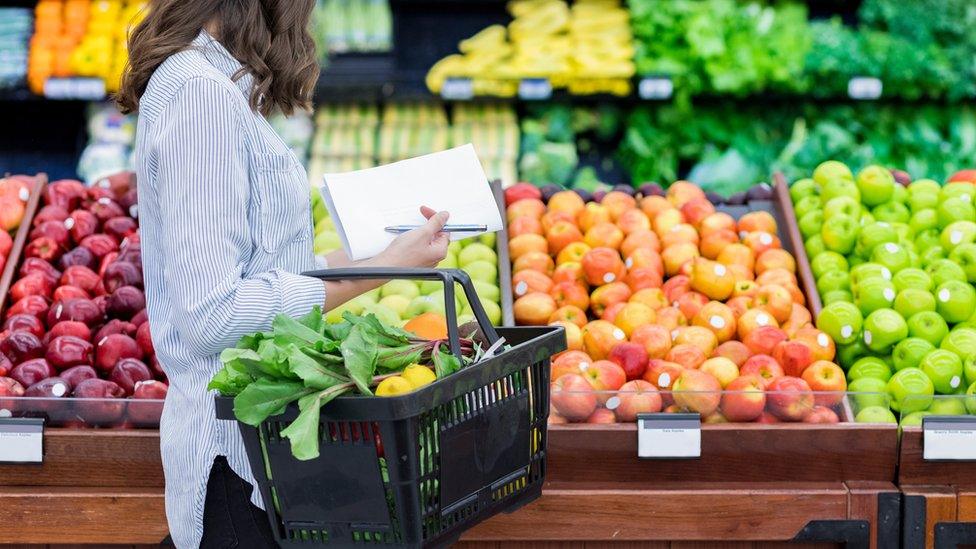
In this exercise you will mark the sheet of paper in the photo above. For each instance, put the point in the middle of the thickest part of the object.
(363, 203)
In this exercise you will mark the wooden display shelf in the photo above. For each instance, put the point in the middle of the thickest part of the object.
(939, 497)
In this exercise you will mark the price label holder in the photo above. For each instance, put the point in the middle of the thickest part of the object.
(82, 89)
(949, 438)
(864, 88)
(457, 89)
(21, 440)
(655, 88)
(668, 436)
(535, 89)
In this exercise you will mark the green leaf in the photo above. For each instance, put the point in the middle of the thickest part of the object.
(251, 341)
(273, 360)
(230, 380)
(249, 361)
(445, 363)
(313, 320)
(313, 373)
(337, 332)
(288, 330)
(359, 351)
(266, 397)
(303, 433)
(398, 358)
(387, 336)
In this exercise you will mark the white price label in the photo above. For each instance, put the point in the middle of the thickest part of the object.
(535, 89)
(664, 436)
(457, 89)
(655, 88)
(83, 89)
(21, 440)
(949, 438)
(864, 88)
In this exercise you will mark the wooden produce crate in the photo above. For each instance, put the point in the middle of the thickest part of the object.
(755, 485)
(939, 497)
(9, 273)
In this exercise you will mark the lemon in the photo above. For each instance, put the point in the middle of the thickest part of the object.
(393, 386)
(418, 375)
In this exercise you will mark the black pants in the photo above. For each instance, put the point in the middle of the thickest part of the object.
(230, 520)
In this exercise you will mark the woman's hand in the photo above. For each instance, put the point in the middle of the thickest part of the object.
(425, 246)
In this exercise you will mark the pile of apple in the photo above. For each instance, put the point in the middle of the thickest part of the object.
(14, 194)
(76, 323)
(669, 305)
(895, 264)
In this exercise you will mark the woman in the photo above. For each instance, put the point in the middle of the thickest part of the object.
(226, 226)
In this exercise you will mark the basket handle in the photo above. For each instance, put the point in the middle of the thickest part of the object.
(446, 276)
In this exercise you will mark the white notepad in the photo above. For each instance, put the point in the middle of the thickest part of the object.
(364, 202)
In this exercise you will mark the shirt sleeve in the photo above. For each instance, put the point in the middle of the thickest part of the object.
(204, 193)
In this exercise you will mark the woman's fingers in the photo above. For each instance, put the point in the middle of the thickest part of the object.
(428, 212)
(435, 224)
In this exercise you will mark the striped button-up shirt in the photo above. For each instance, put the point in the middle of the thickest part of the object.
(225, 222)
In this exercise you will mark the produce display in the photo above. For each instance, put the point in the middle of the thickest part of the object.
(81, 38)
(661, 293)
(312, 360)
(345, 26)
(16, 25)
(586, 48)
(895, 262)
(75, 323)
(14, 194)
(111, 136)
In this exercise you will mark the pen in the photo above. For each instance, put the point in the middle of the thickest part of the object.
(447, 228)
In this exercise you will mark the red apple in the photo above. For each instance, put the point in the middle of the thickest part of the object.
(631, 357)
(573, 397)
(636, 397)
(828, 380)
(744, 399)
(790, 398)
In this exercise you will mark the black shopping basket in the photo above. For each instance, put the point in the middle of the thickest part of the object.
(415, 470)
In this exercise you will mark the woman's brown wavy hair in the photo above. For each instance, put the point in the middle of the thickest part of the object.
(269, 37)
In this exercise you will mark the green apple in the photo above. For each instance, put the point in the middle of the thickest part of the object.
(493, 311)
(955, 300)
(476, 252)
(912, 278)
(875, 414)
(833, 281)
(883, 328)
(944, 368)
(873, 294)
(488, 239)
(848, 354)
(855, 260)
(892, 212)
(373, 296)
(842, 206)
(806, 205)
(867, 271)
(865, 218)
(893, 256)
(826, 262)
(928, 238)
(944, 270)
(397, 304)
(911, 301)
(965, 256)
(483, 271)
(874, 234)
(929, 326)
(384, 314)
(971, 399)
(910, 390)
(487, 290)
(803, 188)
(955, 209)
(961, 341)
(925, 186)
(841, 321)
(814, 245)
(924, 220)
(449, 262)
(958, 232)
(839, 187)
(830, 170)
(876, 185)
(834, 296)
(869, 391)
(325, 242)
(909, 352)
(948, 406)
(918, 201)
(899, 194)
(425, 304)
(958, 189)
(428, 287)
(913, 419)
(869, 366)
(405, 288)
(454, 247)
(355, 306)
(811, 223)
(969, 368)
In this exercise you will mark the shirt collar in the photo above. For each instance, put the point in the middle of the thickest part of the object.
(218, 56)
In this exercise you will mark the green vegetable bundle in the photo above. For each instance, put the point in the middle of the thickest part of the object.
(312, 361)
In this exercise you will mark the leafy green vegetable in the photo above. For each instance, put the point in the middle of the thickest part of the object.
(266, 397)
